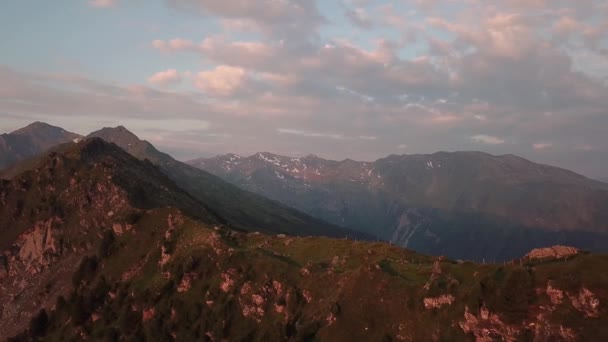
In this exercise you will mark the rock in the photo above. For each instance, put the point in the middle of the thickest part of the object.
(95, 317)
(228, 280)
(488, 327)
(186, 282)
(307, 296)
(38, 247)
(335, 260)
(555, 252)
(117, 228)
(148, 314)
(258, 300)
(246, 288)
(278, 288)
(254, 310)
(436, 302)
(331, 318)
(586, 302)
(555, 295)
(164, 257)
(436, 272)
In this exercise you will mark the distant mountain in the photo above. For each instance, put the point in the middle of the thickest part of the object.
(98, 245)
(30, 141)
(242, 209)
(464, 204)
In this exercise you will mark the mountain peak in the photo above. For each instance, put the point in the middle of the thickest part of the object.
(119, 135)
(31, 140)
(34, 126)
(128, 141)
(118, 132)
(44, 130)
(312, 157)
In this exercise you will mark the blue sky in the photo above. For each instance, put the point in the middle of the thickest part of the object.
(351, 78)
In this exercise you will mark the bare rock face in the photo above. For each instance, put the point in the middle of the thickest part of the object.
(148, 314)
(186, 283)
(555, 252)
(36, 248)
(487, 327)
(586, 302)
(437, 302)
(556, 295)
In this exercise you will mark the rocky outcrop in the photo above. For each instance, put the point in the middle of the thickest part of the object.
(186, 282)
(148, 314)
(228, 280)
(555, 252)
(555, 295)
(35, 249)
(488, 327)
(437, 302)
(255, 303)
(586, 302)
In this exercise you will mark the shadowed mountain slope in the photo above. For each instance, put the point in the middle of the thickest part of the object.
(31, 140)
(242, 209)
(464, 204)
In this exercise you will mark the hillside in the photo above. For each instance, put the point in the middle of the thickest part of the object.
(169, 278)
(71, 201)
(31, 140)
(242, 209)
(98, 245)
(468, 205)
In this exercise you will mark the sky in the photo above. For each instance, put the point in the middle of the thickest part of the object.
(357, 79)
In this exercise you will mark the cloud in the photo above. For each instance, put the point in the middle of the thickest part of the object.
(175, 44)
(335, 136)
(284, 19)
(165, 78)
(431, 74)
(541, 146)
(311, 134)
(103, 3)
(487, 139)
(224, 80)
(358, 16)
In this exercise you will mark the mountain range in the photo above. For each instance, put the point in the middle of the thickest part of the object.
(100, 245)
(466, 205)
(242, 209)
(31, 140)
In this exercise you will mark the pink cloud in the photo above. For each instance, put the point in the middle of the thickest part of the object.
(103, 3)
(224, 80)
(165, 78)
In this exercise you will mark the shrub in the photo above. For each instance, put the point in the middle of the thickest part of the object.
(86, 270)
(39, 324)
(107, 245)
